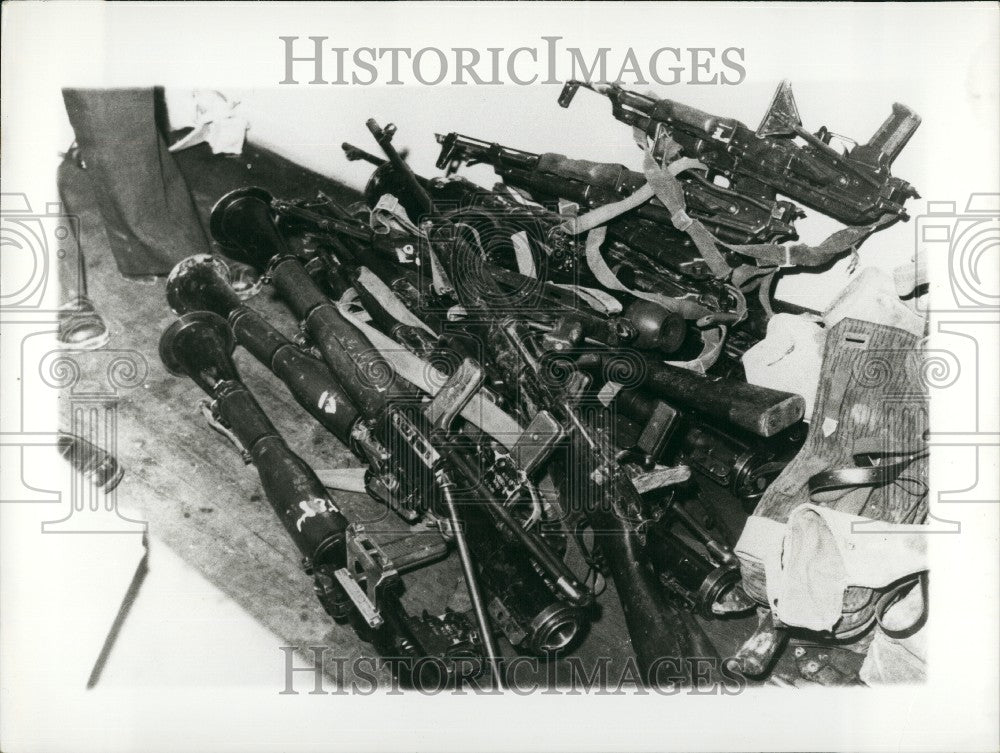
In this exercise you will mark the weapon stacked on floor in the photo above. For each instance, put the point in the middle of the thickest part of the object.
(732, 216)
(199, 345)
(475, 346)
(421, 463)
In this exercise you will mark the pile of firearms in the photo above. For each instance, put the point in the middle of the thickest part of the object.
(535, 369)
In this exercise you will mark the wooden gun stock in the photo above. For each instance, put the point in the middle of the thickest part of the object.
(760, 410)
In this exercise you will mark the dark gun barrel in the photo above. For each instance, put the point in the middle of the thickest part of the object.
(199, 345)
(391, 179)
(419, 196)
(199, 283)
(241, 222)
(356, 153)
(384, 138)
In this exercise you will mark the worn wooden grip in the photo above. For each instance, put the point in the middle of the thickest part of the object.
(760, 410)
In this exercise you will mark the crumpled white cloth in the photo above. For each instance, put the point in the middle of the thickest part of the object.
(218, 121)
(813, 558)
(872, 297)
(790, 356)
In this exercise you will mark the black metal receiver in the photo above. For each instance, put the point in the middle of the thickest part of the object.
(781, 157)
(732, 216)
(199, 345)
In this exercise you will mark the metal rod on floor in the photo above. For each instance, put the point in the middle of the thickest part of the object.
(471, 582)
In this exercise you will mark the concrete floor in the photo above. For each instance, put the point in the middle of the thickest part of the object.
(201, 502)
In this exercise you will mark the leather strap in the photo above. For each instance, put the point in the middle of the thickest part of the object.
(804, 255)
(606, 213)
(869, 475)
(670, 192)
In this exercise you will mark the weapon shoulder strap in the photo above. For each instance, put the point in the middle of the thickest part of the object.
(712, 338)
(481, 411)
(670, 192)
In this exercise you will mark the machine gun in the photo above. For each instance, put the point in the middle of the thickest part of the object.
(636, 242)
(606, 493)
(429, 459)
(854, 187)
(732, 216)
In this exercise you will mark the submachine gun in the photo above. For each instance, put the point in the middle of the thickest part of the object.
(854, 186)
(732, 216)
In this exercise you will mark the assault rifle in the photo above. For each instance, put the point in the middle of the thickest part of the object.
(853, 186)
(732, 216)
